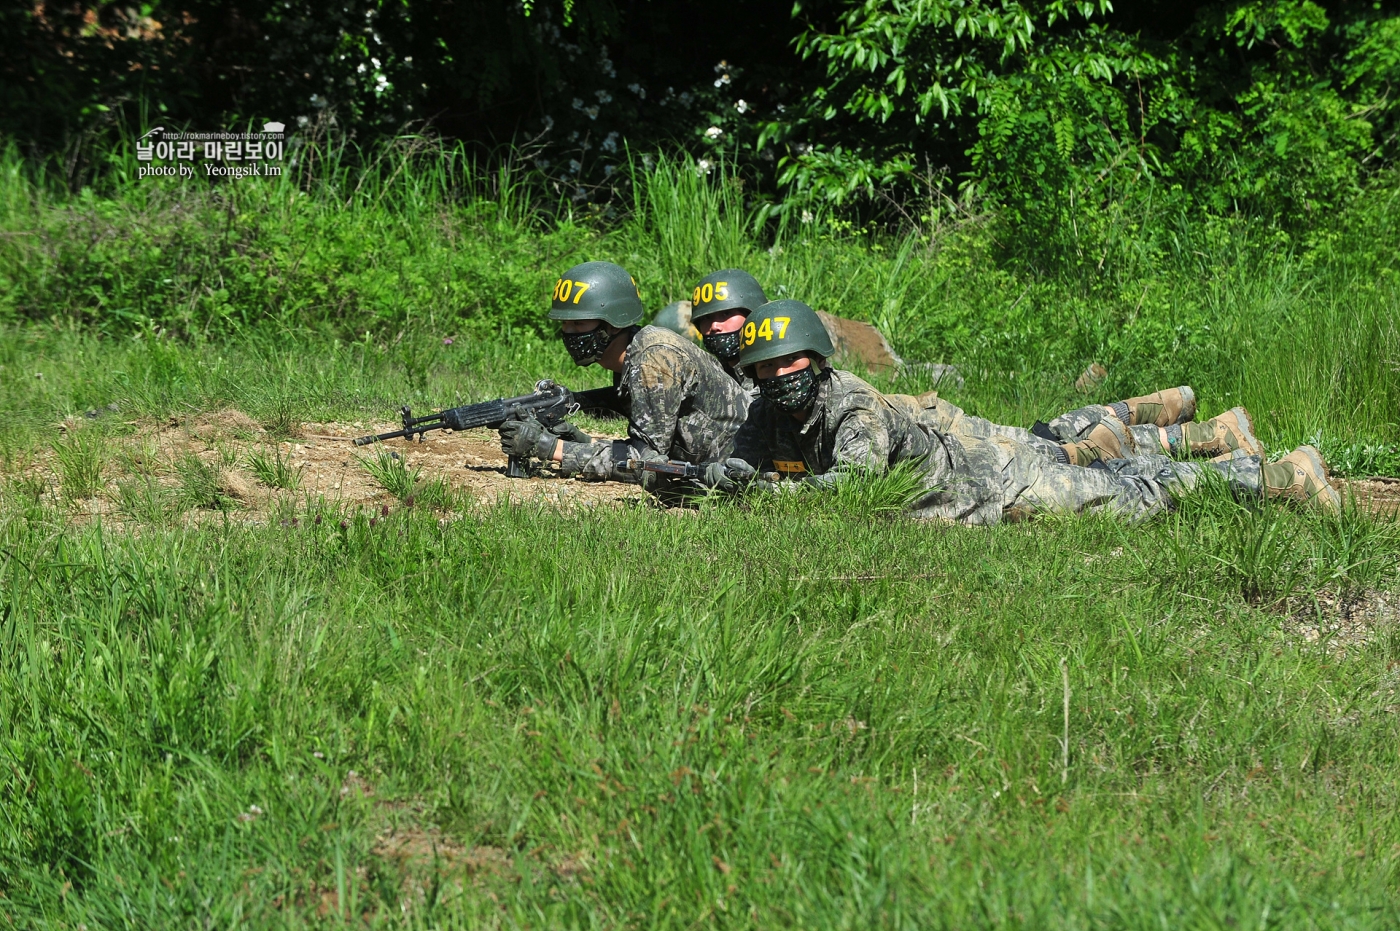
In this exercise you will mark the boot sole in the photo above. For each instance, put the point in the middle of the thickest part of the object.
(1188, 405)
(1246, 424)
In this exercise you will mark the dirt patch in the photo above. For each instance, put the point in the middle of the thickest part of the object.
(1341, 624)
(1379, 495)
(203, 466)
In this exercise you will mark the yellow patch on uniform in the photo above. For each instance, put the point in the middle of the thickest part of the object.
(789, 468)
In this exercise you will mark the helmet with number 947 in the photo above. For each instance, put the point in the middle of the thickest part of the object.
(781, 328)
(729, 289)
(597, 291)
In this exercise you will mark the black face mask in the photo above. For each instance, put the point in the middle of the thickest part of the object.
(587, 348)
(725, 346)
(792, 392)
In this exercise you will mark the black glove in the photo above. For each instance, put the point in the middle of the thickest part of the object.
(570, 432)
(527, 439)
(728, 476)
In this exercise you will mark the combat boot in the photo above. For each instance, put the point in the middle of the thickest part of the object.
(1107, 440)
(1221, 435)
(1160, 409)
(1302, 476)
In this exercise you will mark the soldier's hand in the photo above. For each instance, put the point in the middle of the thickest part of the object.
(728, 476)
(527, 439)
(570, 432)
(739, 471)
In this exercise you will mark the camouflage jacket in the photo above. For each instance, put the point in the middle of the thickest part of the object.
(680, 402)
(745, 382)
(851, 426)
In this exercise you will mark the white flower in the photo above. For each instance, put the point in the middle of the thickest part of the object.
(578, 103)
(703, 166)
(638, 89)
(722, 80)
(574, 166)
(603, 96)
(714, 132)
(807, 216)
(592, 112)
(610, 143)
(742, 106)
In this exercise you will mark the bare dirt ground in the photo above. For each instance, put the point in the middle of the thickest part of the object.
(1381, 495)
(330, 468)
(327, 465)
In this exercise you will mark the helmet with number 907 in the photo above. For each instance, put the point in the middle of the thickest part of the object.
(597, 291)
(730, 289)
(781, 328)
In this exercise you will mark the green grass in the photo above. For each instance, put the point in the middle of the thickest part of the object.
(274, 469)
(791, 710)
(81, 459)
(633, 711)
(789, 714)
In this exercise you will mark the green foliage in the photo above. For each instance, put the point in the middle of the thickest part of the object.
(201, 484)
(296, 716)
(274, 469)
(82, 457)
(1080, 127)
(409, 485)
(392, 473)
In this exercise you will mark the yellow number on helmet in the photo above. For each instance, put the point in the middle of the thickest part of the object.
(782, 323)
(707, 293)
(721, 290)
(566, 287)
(557, 283)
(695, 297)
(765, 330)
(748, 334)
(582, 287)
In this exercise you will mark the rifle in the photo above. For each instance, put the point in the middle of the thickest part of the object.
(689, 470)
(549, 404)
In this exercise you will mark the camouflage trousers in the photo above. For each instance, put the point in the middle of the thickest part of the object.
(1069, 427)
(987, 480)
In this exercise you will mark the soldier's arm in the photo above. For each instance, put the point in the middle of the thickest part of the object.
(862, 444)
(596, 460)
(658, 381)
(656, 386)
(753, 441)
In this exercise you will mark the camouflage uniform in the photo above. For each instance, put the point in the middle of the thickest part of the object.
(1070, 427)
(743, 380)
(680, 404)
(969, 478)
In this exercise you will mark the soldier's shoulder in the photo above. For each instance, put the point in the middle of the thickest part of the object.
(651, 338)
(851, 391)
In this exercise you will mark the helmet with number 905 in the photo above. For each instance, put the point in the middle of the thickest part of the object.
(781, 328)
(597, 291)
(730, 289)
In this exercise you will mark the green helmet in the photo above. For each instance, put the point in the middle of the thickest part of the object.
(728, 289)
(780, 328)
(597, 291)
(675, 318)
